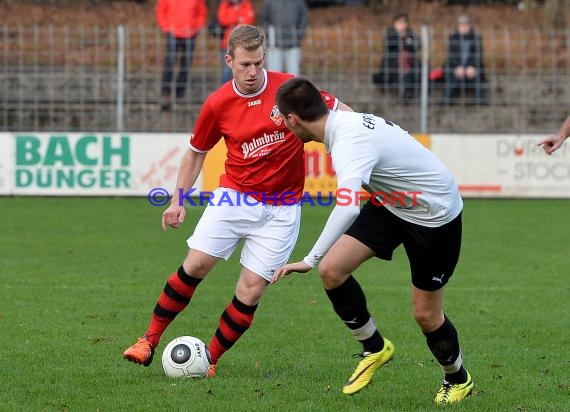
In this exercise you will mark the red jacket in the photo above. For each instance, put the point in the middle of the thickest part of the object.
(181, 18)
(230, 15)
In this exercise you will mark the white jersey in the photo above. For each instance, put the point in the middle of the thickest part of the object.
(407, 177)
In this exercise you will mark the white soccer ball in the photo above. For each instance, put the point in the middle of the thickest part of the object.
(186, 357)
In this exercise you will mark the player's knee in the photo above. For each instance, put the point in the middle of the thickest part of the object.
(330, 275)
(325, 271)
(428, 319)
(250, 287)
(196, 267)
(250, 297)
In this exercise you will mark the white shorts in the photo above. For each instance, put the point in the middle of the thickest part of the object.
(269, 232)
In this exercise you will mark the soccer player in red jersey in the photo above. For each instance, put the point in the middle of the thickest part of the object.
(264, 174)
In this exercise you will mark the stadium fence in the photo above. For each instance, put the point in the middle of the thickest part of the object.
(79, 78)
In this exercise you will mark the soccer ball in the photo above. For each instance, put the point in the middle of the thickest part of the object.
(186, 357)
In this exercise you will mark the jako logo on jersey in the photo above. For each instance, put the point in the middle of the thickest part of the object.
(254, 102)
(258, 145)
(275, 115)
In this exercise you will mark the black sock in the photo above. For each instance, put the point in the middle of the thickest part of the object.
(458, 377)
(444, 344)
(349, 303)
(374, 343)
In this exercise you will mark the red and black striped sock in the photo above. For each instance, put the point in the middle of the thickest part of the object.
(235, 320)
(176, 295)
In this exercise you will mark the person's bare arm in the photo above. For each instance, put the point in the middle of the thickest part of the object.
(337, 223)
(189, 170)
(554, 142)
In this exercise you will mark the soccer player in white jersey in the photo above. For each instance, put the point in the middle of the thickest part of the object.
(264, 169)
(414, 201)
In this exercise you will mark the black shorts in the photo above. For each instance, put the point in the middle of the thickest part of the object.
(433, 252)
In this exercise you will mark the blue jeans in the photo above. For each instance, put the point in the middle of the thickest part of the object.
(174, 47)
(456, 86)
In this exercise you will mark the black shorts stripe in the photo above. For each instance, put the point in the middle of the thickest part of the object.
(163, 313)
(174, 295)
(222, 339)
(231, 323)
(187, 279)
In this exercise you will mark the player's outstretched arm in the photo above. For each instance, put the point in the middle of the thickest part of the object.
(188, 172)
(337, 223)
(554, 142)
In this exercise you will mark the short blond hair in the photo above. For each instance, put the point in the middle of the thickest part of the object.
(246, 36)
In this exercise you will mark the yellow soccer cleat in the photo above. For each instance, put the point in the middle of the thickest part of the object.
(367, 366)
(454, 392)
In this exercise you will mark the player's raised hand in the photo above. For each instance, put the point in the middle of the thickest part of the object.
(173, 216)
(299, 267)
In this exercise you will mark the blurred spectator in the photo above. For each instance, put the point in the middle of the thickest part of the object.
(464, 67)
(230, 14)
(180, 21)
(400, 66)
(285, 22)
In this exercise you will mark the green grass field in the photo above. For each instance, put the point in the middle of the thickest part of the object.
(80, 276)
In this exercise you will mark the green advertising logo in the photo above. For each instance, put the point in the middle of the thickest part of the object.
(100, 162)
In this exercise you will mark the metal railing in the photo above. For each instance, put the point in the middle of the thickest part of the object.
(109, 79)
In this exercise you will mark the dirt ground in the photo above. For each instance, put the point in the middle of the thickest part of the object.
(132, 13)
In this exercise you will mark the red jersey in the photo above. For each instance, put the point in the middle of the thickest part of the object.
(230, 15)
(181, 18)
(264, 159)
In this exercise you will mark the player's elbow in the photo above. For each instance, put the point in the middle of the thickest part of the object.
(349, 214)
